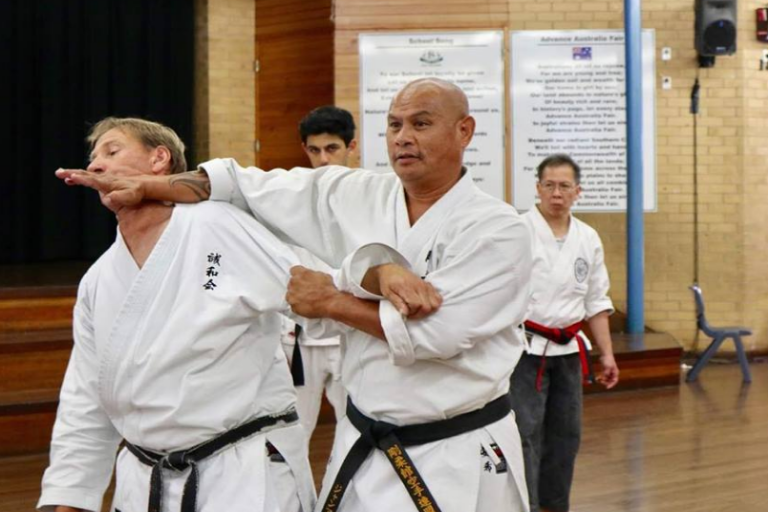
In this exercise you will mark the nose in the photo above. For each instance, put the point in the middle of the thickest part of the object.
(404, 136)
(325, 158)
(95, 166)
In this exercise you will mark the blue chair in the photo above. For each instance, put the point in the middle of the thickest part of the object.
(718, 335)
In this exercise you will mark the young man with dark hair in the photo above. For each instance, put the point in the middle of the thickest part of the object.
(328, 136)
(569, 287)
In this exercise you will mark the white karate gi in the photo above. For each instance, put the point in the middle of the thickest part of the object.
(174, 354)
(321, 359)
(475, 250)
(569, 284)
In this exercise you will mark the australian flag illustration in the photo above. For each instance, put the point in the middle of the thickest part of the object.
(582, 53)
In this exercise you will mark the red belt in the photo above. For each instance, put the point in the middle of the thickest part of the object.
(562, 336)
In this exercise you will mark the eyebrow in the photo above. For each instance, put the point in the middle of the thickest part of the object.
(416, 114)
(323, 146)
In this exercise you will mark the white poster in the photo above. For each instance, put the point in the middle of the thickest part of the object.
(472, 60)
(568, 96)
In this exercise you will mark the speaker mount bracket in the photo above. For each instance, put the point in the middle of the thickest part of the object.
(706, 61)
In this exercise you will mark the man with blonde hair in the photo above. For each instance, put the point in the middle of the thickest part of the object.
(176, 331)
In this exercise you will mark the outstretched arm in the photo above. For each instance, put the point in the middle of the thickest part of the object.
(125, 191)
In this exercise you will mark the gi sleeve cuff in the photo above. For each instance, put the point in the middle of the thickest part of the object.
(73, 497)
(401, 351)
(599, 306)
(222, 184)
(355, 266)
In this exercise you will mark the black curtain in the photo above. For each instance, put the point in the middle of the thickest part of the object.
(67, 64)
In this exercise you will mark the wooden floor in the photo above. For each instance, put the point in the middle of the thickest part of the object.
(698, 447)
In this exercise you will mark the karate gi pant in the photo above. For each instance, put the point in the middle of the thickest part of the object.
(322, 372)
(550, 426)
(456, 470)
(240, 478)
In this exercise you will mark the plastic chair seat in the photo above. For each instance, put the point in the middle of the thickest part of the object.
(732, 331)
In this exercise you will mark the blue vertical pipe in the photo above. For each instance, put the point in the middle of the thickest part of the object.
(635, 236)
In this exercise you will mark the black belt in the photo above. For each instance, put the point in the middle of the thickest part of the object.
(183, 459)
(392, 440)
(297, 363)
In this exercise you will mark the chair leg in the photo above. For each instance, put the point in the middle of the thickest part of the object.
(703, 359)
(742, 359)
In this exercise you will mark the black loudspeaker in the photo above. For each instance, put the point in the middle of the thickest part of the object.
(715, 32)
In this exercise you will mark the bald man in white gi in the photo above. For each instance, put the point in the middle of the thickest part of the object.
(428, 423)
(176, 331)
(569, 288)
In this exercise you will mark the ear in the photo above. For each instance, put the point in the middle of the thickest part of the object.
(161, 160)
(352, 144)
(466, 130)
(304, 147)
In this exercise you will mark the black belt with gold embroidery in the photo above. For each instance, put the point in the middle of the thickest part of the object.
(183, 459)
(392, 440)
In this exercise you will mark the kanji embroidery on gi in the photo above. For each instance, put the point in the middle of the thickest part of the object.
(212, 270)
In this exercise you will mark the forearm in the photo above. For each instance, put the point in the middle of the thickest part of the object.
(62, 508)
(601, 332)
(359, 314)
(188, 187)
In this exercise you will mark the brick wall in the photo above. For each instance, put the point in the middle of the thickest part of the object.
(225, 110)
(754, 239)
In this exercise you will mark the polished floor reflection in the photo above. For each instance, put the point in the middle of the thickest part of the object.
(699, 447)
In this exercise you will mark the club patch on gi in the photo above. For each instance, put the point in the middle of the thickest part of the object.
(581, 270)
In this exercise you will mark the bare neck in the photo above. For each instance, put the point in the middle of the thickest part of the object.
(559, 224)
(420, 199)
(142, 227)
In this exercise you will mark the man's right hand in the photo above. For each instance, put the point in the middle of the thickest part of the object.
(116, 191)
(64, 508)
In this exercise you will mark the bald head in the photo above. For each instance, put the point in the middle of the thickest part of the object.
(428, 128)
(450, 96)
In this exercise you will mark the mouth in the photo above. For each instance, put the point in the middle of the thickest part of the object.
(406, 158)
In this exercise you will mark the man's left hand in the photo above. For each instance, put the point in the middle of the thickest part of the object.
(310, 292)
(410, 294)
(610, 374)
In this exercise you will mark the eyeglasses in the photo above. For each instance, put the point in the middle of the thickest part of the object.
(551, 186)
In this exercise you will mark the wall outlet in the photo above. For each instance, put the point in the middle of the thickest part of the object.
(666, 82)
(666, 53)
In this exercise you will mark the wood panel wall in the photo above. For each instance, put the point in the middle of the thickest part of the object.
(294, 48)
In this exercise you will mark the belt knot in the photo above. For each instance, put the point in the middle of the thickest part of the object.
(177, 461)
(376, 431)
